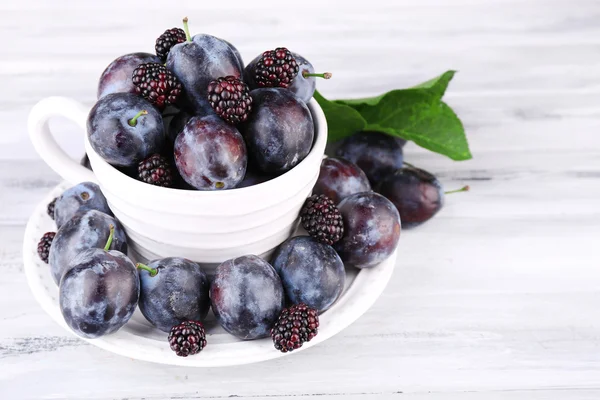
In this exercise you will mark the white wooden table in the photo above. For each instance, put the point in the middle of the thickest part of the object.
(496, 298)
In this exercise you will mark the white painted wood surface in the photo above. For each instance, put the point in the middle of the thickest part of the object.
(496, 298)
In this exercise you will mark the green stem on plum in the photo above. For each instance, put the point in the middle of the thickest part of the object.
(133, 121)
(324, 75)
(408, 164)
(152, 271)
(188, 37)
(110, 237)
(462, 189)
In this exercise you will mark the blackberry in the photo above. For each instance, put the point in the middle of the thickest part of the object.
(187, 338)
(43, 247)
(230, 98)
(167, 40)
(156, 170)
(296, 325)
(157, 84)
(322, 219)
(276, 68)
(50, 209)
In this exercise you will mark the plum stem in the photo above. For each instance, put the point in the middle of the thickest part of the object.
(462, 189)
(152, 271)
(110, 237)
(324, 75)
(186, 29)
(133, 121)
(409, 164)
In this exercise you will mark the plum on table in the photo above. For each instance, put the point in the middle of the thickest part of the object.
(247, 297)
(173, 290)
(371, 229)
(84, 196)
(86, 230)
(99, 294)
(311, 272)
(376, 153)
(417, 194)
(340, 178)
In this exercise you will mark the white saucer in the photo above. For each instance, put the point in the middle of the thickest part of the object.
(139, 340)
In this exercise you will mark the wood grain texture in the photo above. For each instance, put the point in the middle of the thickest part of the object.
(496, 298)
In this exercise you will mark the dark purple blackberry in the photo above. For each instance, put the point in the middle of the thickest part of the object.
(187, 338)
(156, 170)
(296, 325)
(276, 68)
(157, 84)
(322, 219)
(167, 40)
(50, 209)
(230, 98)
(43, 247)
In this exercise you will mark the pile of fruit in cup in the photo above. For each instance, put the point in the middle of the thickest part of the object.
(229, 117)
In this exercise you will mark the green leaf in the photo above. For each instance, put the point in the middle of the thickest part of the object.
(445, 132)
(436, 87)
(416, 114)
(342, 120)
(439, 84)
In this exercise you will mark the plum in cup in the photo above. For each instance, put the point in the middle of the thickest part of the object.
(305, 83)
(200, 60)
(124, 129)
(210, 154)
(279, 132)
(117, 77)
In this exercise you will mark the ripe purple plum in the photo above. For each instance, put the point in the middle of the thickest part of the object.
(311, 272)
(86, 230)
(417, 194)
(200, 60)
(100, 292)
(371, 229)
(376, 153)
(247, 297)
(124, 129)
(305, 83)
(210, 154)
(117, 77)
(173, 290)
(340, 178)
(279, 132)
(84, 196)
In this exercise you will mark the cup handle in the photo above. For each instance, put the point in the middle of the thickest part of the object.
(44, 143)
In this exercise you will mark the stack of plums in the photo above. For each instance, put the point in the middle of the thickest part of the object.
(193, 117)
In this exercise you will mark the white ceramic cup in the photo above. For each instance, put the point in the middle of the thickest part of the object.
(205, 226)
